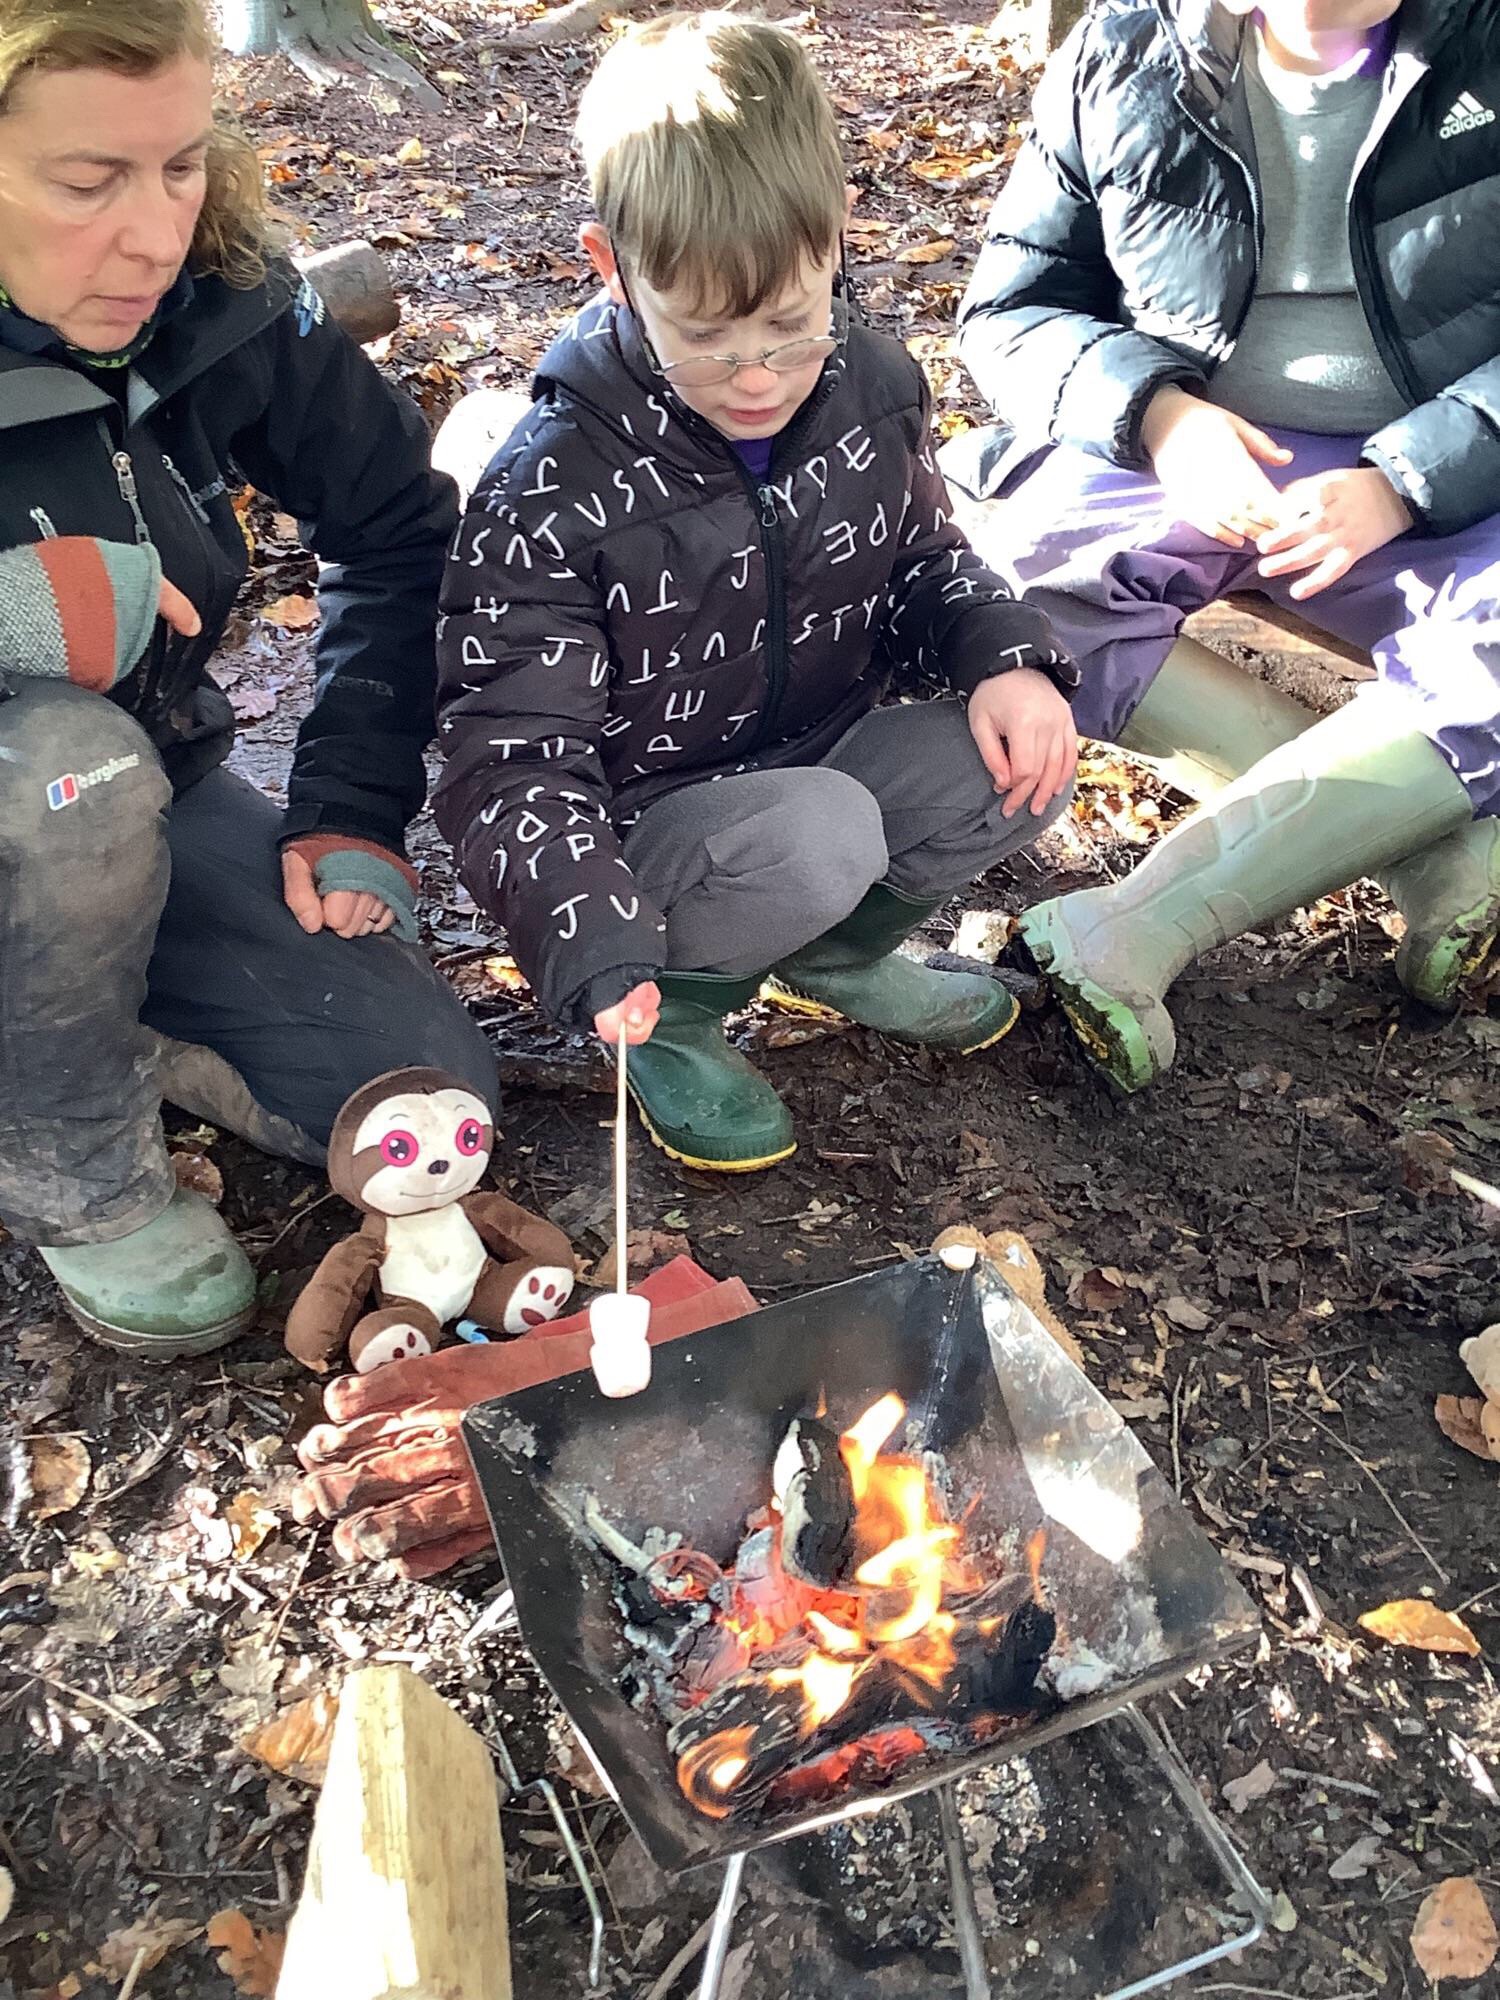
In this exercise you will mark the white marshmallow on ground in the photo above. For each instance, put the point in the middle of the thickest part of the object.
(620, 1353)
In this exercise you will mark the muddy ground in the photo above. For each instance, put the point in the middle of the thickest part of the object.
(1264, 1258)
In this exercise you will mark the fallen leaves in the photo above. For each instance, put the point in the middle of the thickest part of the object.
(149, 1940)
(1182, 1312)
(1462, 1418)
(252, 1520)
(1255, 1784)
(191, 1169)
(296, 1742)
(60, 1472)
(1454, 1936)
(927, 253)
(251, 1957)
(295, 613)
(1413, 1622)
(1356, 1862)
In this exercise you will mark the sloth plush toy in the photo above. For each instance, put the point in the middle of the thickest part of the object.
(410, 1149)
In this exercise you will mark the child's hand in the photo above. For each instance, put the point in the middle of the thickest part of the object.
(1330, 521)
(639, 1012)
(1024, 732)
(1208, 463)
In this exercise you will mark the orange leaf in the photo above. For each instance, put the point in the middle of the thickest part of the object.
(1412, 1621)
(252, 1520)
(295, 1743)
(251, 1957)
(926, 253)
(1454, 1936)
(1461, 1419)
(60, 1472)
(292, 614)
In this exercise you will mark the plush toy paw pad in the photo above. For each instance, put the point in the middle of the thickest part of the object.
(540, 1296)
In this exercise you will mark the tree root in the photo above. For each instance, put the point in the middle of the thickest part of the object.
(353, 56)
(568, 23)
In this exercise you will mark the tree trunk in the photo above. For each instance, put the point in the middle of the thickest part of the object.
(1053, 19)
(331, 41)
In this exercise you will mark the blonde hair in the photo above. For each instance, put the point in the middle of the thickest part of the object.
(714, 159)
(133, 38)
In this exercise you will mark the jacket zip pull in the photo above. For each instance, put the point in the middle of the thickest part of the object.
(767, 499)
(184, 489)
(125, 477)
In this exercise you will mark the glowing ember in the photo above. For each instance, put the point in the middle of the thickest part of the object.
(711, 1770)
(916, 1627)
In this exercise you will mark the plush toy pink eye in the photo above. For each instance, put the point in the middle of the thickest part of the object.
(469, 1138)
(398, 1149)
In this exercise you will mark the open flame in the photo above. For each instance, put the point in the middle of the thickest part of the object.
(821, 1644)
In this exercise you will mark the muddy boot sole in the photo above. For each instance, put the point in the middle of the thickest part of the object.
(1132, 1042)
(149, 1348)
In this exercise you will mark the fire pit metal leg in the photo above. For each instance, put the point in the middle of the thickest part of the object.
(718, 1937)
(1165, 1755)
(961, 1894)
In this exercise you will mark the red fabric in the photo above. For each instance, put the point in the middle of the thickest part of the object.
(85, 597)
(390, 1469)
(314, 846)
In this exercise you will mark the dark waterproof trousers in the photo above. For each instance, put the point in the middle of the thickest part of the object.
(145, 952)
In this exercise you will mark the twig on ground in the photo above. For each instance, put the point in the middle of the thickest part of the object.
(289, 1599)
(94, 1701)
(291, 1223)
(1177, 1435)
(682, 1961)
(1374, 1478)
(1481, 1190)
(134, 1973)
(1329, 1784)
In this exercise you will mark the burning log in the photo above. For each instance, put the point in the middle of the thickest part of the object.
(852, 1632)
(815, 1494)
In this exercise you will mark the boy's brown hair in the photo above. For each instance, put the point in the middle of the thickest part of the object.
(714, 159)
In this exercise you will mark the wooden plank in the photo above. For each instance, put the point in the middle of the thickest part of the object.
(405, 1891)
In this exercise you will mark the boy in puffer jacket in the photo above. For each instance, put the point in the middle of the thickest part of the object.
(679, 598)
(1239, 303)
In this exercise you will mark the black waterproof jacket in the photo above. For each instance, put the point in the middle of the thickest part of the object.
(1122, 251)
(260, 387)
(627, 610)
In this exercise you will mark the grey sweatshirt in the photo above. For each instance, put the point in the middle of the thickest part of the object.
(1305, 358)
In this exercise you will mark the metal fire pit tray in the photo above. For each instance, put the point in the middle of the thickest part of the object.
(1141, 1597)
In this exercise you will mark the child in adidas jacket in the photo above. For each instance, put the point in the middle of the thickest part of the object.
(1240, 304)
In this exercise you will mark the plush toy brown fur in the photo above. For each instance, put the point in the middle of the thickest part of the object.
(410, 1149)
(1019, 1265)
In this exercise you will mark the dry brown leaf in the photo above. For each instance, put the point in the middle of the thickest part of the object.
(251, 1957)
(1255, 1784)
(1099, 1290)
(295, 1743)
(60, 1472)
(1461, 1419)
(927, 253)
(1454, 1936)
(155, 1936)
(197, 1172)
(506, 974)
(296, 613)
(1182, 1312)
(1412, 1621)
(948, 168)
(252, 1520)
(409, 154)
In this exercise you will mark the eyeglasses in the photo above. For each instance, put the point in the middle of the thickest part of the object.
(704, 371)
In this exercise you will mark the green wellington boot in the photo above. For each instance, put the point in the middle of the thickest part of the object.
(698, 1097)
(1204, 722)
(181, 1285)
(1346, 797)
(856, 970)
